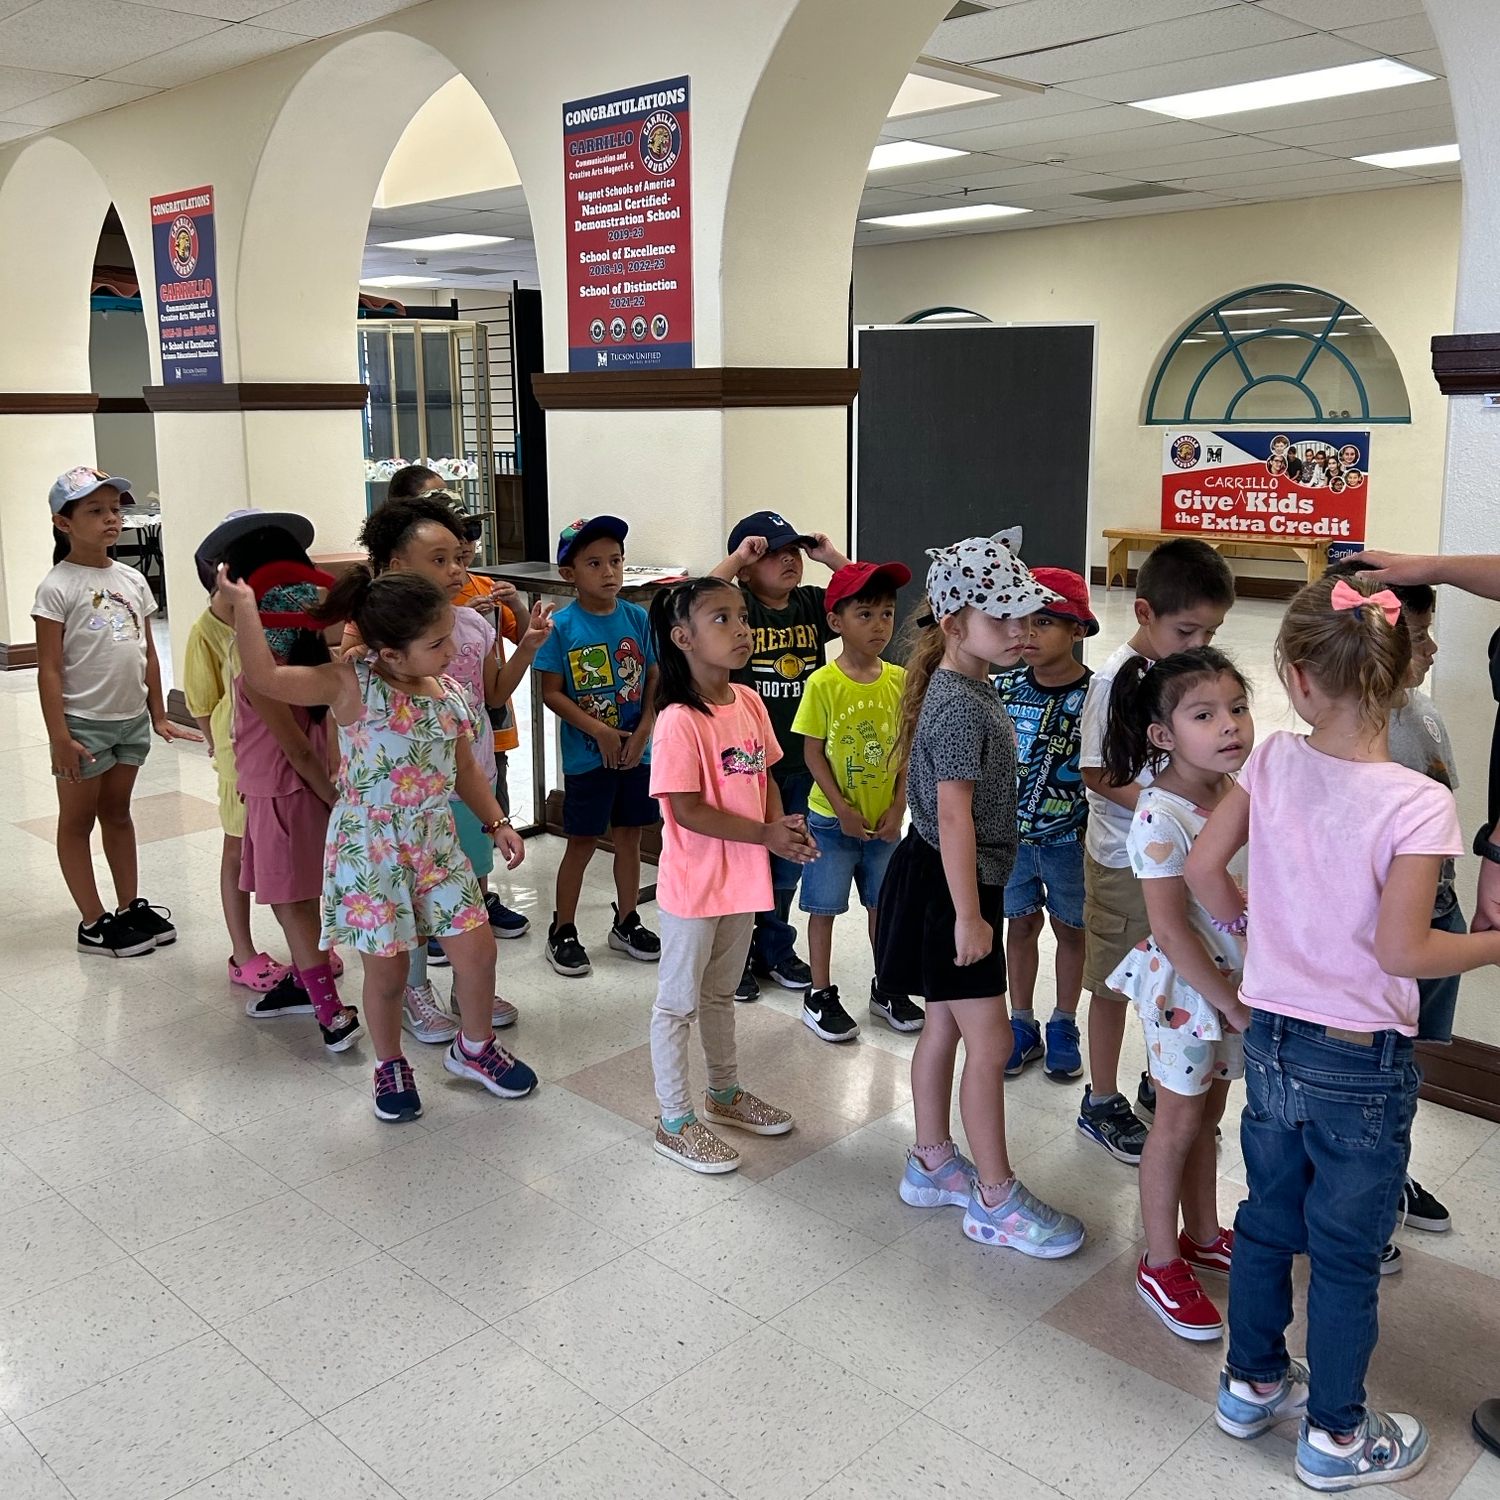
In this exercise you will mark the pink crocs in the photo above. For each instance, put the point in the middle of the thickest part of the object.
(261, 973)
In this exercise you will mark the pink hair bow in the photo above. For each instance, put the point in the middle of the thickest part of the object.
(1345, 597)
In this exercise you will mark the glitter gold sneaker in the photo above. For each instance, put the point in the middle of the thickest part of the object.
(695, 1147)
(746, 1112)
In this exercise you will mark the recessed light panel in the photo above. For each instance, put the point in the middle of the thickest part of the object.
(1422, 156)
(1293, 88)
(446, 242)
(970, 213)
(908, 154)
(386, 283)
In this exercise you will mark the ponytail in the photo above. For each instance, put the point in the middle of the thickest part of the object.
(1146, 693)
(925, 644)
(61, 543)
(671, 607)
(389, 612)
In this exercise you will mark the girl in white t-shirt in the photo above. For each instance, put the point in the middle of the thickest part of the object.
(100, 685)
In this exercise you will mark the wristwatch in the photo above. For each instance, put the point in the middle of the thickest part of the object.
(1484, 848)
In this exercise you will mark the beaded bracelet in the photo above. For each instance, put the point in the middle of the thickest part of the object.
(1235, 928)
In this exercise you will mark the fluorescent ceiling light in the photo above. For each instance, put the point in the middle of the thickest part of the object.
(970, 213)
(1253, 312)
(1294, 88)
(393, 281)
(908, 154)
(1342, 318)
(1422, 156)
(447, 242)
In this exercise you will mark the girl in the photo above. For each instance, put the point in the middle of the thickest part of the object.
(941, 901)
(394, 874)
(1187, 718)
(1345, 852)
(710, 753)
(100, 685)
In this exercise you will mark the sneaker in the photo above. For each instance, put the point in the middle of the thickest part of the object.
(631, 936)
(491, 1066)
(1243, 1412)
(1214, 1256)
(1023, 1222)
(507, 923)
(695, 1147)
(1145, 1098)
(1420, 1210)
(1113, 1124)
(1390, 1259)
(436, 958)
(746, 1112)
(899, 1012)
(1026, 1039)
(1388, 1447)
(1064, 1061)
(424, 1018)
(565, 953)
(953, 1183)
(286, 998)
(341, 1036)
(748, 988)
(261, 973)
(112, 934)
(789, 972)
(503, 1014)
(1177, 1297)
(396, 1096)
(825, 1017)
(152, 920)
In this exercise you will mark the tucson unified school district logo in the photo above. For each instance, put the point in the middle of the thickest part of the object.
(661, 142)
(182, 242)
(1186, 451)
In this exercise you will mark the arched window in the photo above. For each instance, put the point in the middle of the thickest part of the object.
(1278, 353)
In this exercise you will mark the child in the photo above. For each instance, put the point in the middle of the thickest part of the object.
(394, 874)
(1187, 717)
(1182, 593)
(599, 677)
(100, 685)
(941, 901)
(1044, 697)
(720, 813)
(1346, 849)
(847, 718)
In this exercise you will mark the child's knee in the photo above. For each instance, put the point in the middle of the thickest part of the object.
(1067, 937)
(1025, 929)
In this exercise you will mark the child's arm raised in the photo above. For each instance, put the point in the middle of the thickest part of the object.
(511, 673)
(748, 551)
(1207, 870)
(973, 937)
(476, 793)
(1167, 909)
(1406, 944)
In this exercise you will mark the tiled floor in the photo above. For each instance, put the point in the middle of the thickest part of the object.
(221, 1277)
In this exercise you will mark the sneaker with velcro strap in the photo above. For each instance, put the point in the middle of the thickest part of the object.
(1386, 1448)
(1244, 1412)
(629, 935)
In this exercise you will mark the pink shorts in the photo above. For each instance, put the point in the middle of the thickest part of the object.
(282, 856)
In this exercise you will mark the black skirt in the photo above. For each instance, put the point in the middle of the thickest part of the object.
(914, 946)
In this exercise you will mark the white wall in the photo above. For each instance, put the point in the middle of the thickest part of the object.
(1392, 254)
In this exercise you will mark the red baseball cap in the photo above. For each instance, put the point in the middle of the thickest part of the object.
(853, 577)
(1073, 603)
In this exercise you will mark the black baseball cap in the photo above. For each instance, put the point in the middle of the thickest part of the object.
(777, 530)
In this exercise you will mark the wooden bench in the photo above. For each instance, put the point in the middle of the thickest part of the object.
(1311, 552)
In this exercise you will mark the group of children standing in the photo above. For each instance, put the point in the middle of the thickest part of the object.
(1130, 805)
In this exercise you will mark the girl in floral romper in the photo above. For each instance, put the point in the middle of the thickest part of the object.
(394, 872)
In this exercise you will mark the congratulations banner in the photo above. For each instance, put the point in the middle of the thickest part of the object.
(187, 299)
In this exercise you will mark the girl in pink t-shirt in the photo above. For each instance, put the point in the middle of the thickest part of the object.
(1345, 849)
(721, 814)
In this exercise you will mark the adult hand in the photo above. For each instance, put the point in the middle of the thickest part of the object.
(1402, 567)
(973, 939)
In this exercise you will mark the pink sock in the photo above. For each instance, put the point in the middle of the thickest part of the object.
(318, 983)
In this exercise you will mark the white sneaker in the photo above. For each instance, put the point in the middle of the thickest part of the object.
(423, 1018)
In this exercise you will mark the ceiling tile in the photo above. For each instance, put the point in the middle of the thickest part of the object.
(21, 85)
(1428, 62)
(1292, 176)
(219, 10)
(86, 98)
(1033, 24)
(1008, 177)
(324, 17)
(1331, 15)
(92, 36)
(12, 131)
(1352, 107)
(1394, 38)
(976, 116)
(1436, 124)
(1115, 154)
(232, 47)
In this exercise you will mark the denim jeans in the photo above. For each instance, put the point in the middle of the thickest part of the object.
(774, 935)
(1326, 1134)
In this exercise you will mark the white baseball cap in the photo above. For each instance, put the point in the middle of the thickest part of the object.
(77, 483)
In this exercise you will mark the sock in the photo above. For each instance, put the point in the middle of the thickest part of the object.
(676, 1127)
(416, 971)
(1095, 1100)
(724, 1096)
(993, 1194)
(318, 982)
(474, 1048)
(1028, 1016)
(1059, 1014)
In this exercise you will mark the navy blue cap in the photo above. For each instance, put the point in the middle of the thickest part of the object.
(777, 530)
(585, 530)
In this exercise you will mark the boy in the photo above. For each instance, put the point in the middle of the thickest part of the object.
(1182, 593)
(1044, 696)
(848, 718)
(599, 677)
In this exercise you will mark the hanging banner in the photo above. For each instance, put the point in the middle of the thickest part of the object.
(187, 293)
(1277, 483)
(627, 194)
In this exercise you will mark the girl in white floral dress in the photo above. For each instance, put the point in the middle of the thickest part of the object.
(394, 872)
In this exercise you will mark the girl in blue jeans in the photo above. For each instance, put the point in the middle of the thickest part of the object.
(1345, 847)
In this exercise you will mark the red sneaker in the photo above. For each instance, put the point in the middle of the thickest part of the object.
(1174, 1294)
(1214, 1256)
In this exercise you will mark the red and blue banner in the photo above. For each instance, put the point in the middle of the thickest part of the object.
(187, 293)
(1277, 483)
(627, 192)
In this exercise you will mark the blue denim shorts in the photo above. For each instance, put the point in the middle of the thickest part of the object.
(842, 861)
(1049, 875)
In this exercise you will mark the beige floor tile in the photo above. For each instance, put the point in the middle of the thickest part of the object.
(257, 1087)
(308, 1462)
(56, 1089)
(157, 816)
(1442, 1140)
(615, 1460)
(46, 1244)
(20, 1187)
(1212, 1463)
(27, 1040)
(23, 1473)
(1482, 1481)
(1474, 1240)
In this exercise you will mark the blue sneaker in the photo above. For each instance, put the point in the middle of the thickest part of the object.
(952, 1183)
(396, 1097)
(436, 958)
(507, 923)
(492, 1066)
(1027, 1038)
(1243, 1412)
(1023, 1222)
(1389, 1447)
(1064, 1061)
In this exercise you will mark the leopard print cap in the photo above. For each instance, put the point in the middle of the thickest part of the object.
(986, 572)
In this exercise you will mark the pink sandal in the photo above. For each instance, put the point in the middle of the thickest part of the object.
(261, 974)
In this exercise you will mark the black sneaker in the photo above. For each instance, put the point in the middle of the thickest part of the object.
(633, 937)
(288, 998)
(436, 958)
(114, 935)
(344, 1032)
(748, 988)
(565, 953)
(1113, 1124)
(152, 920)
(396, 1095)
(1420, 1210)
(1145, 1098)
(825, 1017)
(900, 1012)
(789, 972)
(1390, 1259)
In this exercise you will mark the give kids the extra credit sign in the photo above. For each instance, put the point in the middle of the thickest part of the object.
(1296, 485)
(627, 193)
(187, 294)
